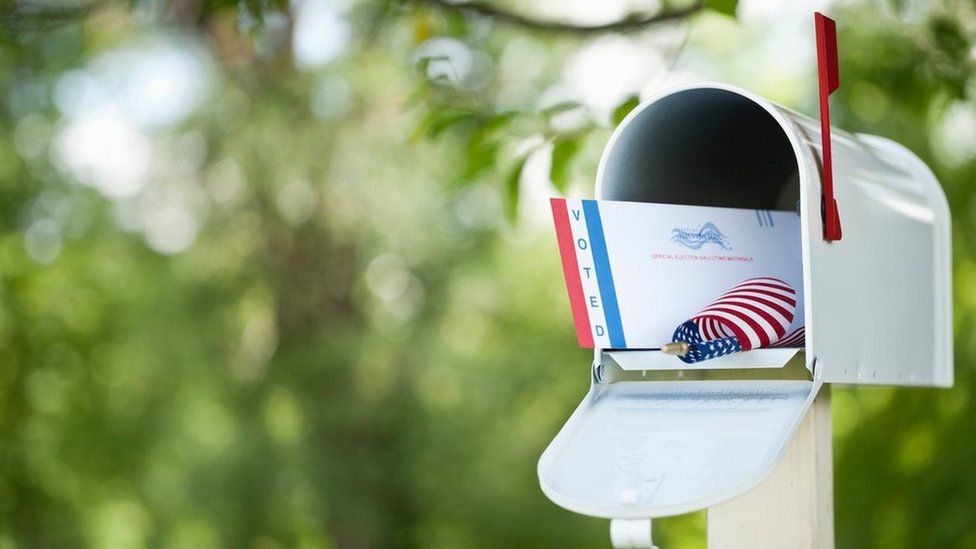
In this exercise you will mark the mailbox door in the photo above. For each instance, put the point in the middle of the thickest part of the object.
(638, 449)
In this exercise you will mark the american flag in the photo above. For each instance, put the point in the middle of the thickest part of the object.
(755, 313)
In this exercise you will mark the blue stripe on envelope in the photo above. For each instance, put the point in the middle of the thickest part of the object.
(604, 277)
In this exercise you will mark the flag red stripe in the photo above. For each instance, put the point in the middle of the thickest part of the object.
(781, 323)
(779, 307)
(758, 331)
(777, 325)
(703, 327)
(756, 325)
(769, 285)
(794, 340)
(758, 312)
(796, 334)
(736, 330)
(781, 297)
(775, 282)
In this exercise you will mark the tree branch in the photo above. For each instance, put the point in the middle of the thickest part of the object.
(46, 15)
(630, 23)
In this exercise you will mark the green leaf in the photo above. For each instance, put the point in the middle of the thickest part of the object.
(499, 120)
(512, 188)
(445, 122)
(563, 151)
(439, 119)
(950, 38)
(480, 155)
(562, 107)
(722, 6)
(624, 109)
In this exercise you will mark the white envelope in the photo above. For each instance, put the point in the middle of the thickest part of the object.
(636, 271)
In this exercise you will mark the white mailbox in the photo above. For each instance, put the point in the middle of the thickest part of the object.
(647, 442)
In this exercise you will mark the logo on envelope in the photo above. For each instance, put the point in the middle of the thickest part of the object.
(694, 239)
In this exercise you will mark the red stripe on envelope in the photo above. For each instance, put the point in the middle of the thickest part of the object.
(574, 285)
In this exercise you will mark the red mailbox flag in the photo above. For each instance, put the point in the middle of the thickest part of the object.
(829, 77)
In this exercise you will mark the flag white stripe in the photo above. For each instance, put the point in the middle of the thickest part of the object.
(762, 305)
(793, 339)
(744, 313)
(750, 334)
(777, 299)
(703, 328)
(784, 292)
(768, 287)
(783, 321)
(797, 336)
(765, 280)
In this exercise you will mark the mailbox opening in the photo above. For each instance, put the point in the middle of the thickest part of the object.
(704, 147)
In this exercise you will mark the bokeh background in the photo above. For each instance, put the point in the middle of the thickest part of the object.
(281, 274)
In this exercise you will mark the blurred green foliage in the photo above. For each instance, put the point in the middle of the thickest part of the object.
(315, 309)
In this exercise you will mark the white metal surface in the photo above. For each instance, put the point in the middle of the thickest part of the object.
(649, 449)
(878, 302)
(656, 360)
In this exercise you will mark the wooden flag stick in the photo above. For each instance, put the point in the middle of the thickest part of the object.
(677, 348)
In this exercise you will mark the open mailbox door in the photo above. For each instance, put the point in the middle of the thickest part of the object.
(654, 438)
(643, 449)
